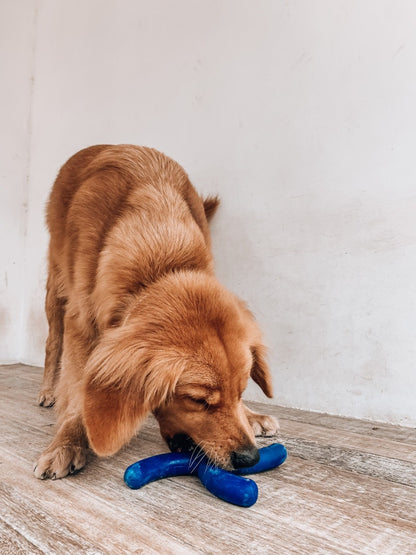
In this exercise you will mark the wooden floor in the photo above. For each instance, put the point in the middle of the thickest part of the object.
(348, 486)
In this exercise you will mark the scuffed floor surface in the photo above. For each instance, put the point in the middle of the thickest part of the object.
(347, 486)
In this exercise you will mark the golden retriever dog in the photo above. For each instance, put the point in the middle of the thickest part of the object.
(138, 323)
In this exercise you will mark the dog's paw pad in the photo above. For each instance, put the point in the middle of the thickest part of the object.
(59, 462)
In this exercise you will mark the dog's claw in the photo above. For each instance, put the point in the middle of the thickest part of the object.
(60, 462)
(46, 399)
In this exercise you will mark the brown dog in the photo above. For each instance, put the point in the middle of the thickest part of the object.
(137, 321)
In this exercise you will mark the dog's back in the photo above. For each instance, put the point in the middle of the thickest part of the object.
(119, 218)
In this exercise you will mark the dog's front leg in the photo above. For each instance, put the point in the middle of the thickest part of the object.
(67, 452)
(263, 425)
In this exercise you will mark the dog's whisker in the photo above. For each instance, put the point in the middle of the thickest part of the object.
(201, 455)
(194, 455)
(212, 460)
(197, 456)
(195, 465)
(209, 465)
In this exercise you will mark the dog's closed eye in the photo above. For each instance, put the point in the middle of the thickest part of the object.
(196, 403)
(199, 395)
(202, 402)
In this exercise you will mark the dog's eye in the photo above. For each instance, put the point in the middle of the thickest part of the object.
(199, 401)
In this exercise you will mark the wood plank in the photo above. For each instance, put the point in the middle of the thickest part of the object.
(388, 498)
(347, 440)
(337, 493)
(68, 517)
(41, 528)
(363, 462)
(367, 428)
(13, 543)
(158, 503)
(336, 526)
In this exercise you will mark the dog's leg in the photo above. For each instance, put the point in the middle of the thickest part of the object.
(67, 452)
(55, 310)
(263, 425)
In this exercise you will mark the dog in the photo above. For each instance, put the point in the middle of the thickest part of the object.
(138, 322)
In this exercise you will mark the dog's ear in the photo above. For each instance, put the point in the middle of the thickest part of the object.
(111, 417)
(123, 383)
(260, 370)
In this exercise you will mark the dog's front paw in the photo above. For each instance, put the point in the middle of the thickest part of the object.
(263, 425)
(60, 461)
(46, 398)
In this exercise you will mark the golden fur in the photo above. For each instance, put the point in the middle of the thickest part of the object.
(138, 322)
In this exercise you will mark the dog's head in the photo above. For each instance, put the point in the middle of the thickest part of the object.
(185, 352)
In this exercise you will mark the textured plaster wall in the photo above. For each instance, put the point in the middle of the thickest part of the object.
(300, 114)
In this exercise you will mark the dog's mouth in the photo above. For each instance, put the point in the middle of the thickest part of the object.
(245, 457)
(181, 443)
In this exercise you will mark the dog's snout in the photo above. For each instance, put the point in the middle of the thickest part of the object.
(245, 457)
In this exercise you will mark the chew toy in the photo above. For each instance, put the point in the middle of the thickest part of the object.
(229, 486)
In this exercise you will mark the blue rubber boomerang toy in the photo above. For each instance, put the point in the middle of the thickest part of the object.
(229, 486)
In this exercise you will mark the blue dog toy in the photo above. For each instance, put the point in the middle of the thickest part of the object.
(229, 486)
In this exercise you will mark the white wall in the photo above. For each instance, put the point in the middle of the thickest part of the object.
(302, 115)
(17, 40)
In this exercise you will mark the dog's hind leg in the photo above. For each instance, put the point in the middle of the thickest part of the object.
(55, 311)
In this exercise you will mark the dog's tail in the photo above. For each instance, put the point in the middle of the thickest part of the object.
(211, 204)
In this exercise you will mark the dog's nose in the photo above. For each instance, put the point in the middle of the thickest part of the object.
(245, 457)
